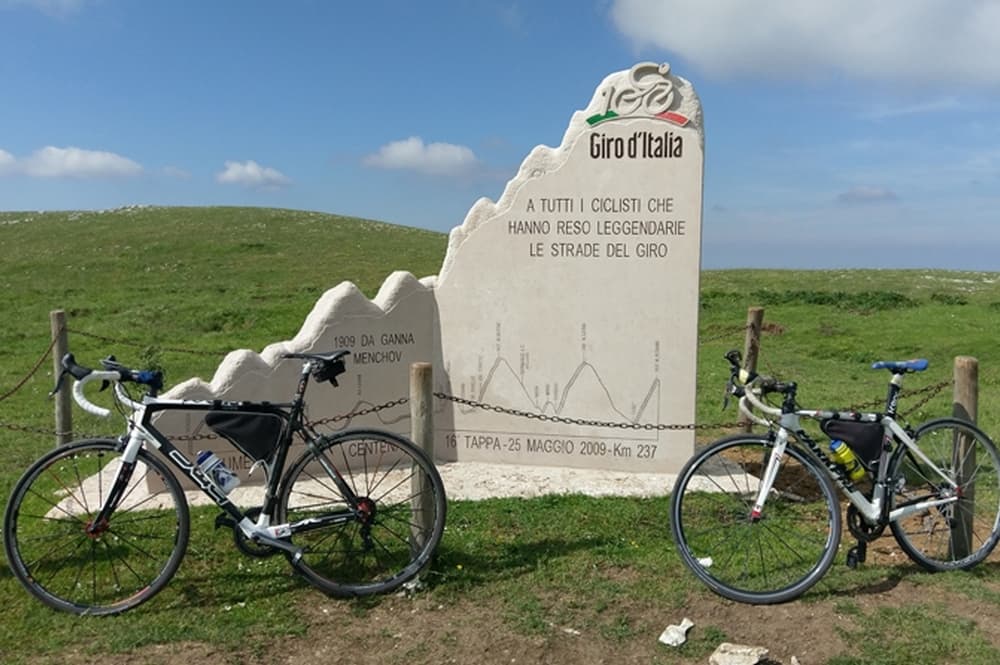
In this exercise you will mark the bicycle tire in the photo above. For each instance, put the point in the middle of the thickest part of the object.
(388, 542)
(774, 558)
(956, 536)
(128, 562)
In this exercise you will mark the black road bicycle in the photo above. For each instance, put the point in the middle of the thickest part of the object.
(756, 516)
(100, 525)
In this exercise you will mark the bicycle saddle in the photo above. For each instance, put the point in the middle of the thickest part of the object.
(328, 357)
(328, 365)
(902, 366)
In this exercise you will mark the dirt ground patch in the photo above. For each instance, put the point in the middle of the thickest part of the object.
(421, 631)
(431, 627)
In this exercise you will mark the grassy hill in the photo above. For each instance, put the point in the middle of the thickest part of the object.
(215, 279)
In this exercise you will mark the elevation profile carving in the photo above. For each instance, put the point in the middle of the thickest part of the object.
(572, 297)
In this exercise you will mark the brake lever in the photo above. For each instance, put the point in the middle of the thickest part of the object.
(732, 389)
(59, 382)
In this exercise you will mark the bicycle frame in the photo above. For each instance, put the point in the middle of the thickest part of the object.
(142, 431)
(789, 428)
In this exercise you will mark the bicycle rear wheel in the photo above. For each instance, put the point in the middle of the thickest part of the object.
(957, 535)
(386, 534)
(773, 558)
(126, 561)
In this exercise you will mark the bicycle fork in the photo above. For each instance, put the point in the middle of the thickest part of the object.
(126, 467)
(770, 473)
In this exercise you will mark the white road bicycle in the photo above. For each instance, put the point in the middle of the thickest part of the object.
(757, 517)
(99, 526)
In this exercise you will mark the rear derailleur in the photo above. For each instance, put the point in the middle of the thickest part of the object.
(864, 533)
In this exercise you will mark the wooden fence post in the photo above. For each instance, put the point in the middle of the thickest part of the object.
(751, 347)
(422, 433)
(965, 405)
(60, 346)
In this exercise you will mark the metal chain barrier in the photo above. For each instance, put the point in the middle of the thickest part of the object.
(34, 370)
(138, 345)
(723, 334)
(930, 393)
(32, 430)
(194, 437)
(41, 431)
(581, 421)
(361, 412)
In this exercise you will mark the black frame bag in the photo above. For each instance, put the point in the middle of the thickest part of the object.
(255, 434)
(865, 439)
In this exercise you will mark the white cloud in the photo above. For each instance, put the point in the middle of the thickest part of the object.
(432, 158)
(252, 174)
(864, 194)
(7, 162)
(929, 106)
(933, 41)
(53, 162)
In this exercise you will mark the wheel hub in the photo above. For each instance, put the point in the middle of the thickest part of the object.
(95, 530)
(366, 510)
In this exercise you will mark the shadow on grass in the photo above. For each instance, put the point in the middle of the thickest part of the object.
(894, 575)
(458, 569)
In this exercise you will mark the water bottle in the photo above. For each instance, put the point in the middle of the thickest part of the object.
(217, 472)
(845, 457)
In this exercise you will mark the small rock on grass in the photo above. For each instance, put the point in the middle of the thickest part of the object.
(737, 654)
(675, 635)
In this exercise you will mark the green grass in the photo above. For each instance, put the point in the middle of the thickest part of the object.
(216, 279)
(924, 634)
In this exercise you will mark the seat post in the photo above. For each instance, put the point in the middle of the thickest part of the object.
(892, 398)
(300, 392)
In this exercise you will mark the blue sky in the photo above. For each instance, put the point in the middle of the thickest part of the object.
(848, 134)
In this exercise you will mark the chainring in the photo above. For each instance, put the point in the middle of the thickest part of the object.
(248, 546)
(860, 529)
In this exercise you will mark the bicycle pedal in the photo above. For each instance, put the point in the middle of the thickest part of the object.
(224, 520)
(857, 555)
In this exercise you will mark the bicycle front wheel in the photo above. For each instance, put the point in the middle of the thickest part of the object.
(58, 553)
(956, 535)
(379, 533)
(772, 558)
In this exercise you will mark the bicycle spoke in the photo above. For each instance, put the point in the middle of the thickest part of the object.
(75, 564)
(773, 557)
(374, 552)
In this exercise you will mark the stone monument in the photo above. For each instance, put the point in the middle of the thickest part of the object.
(572, 298)
(576, 295)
